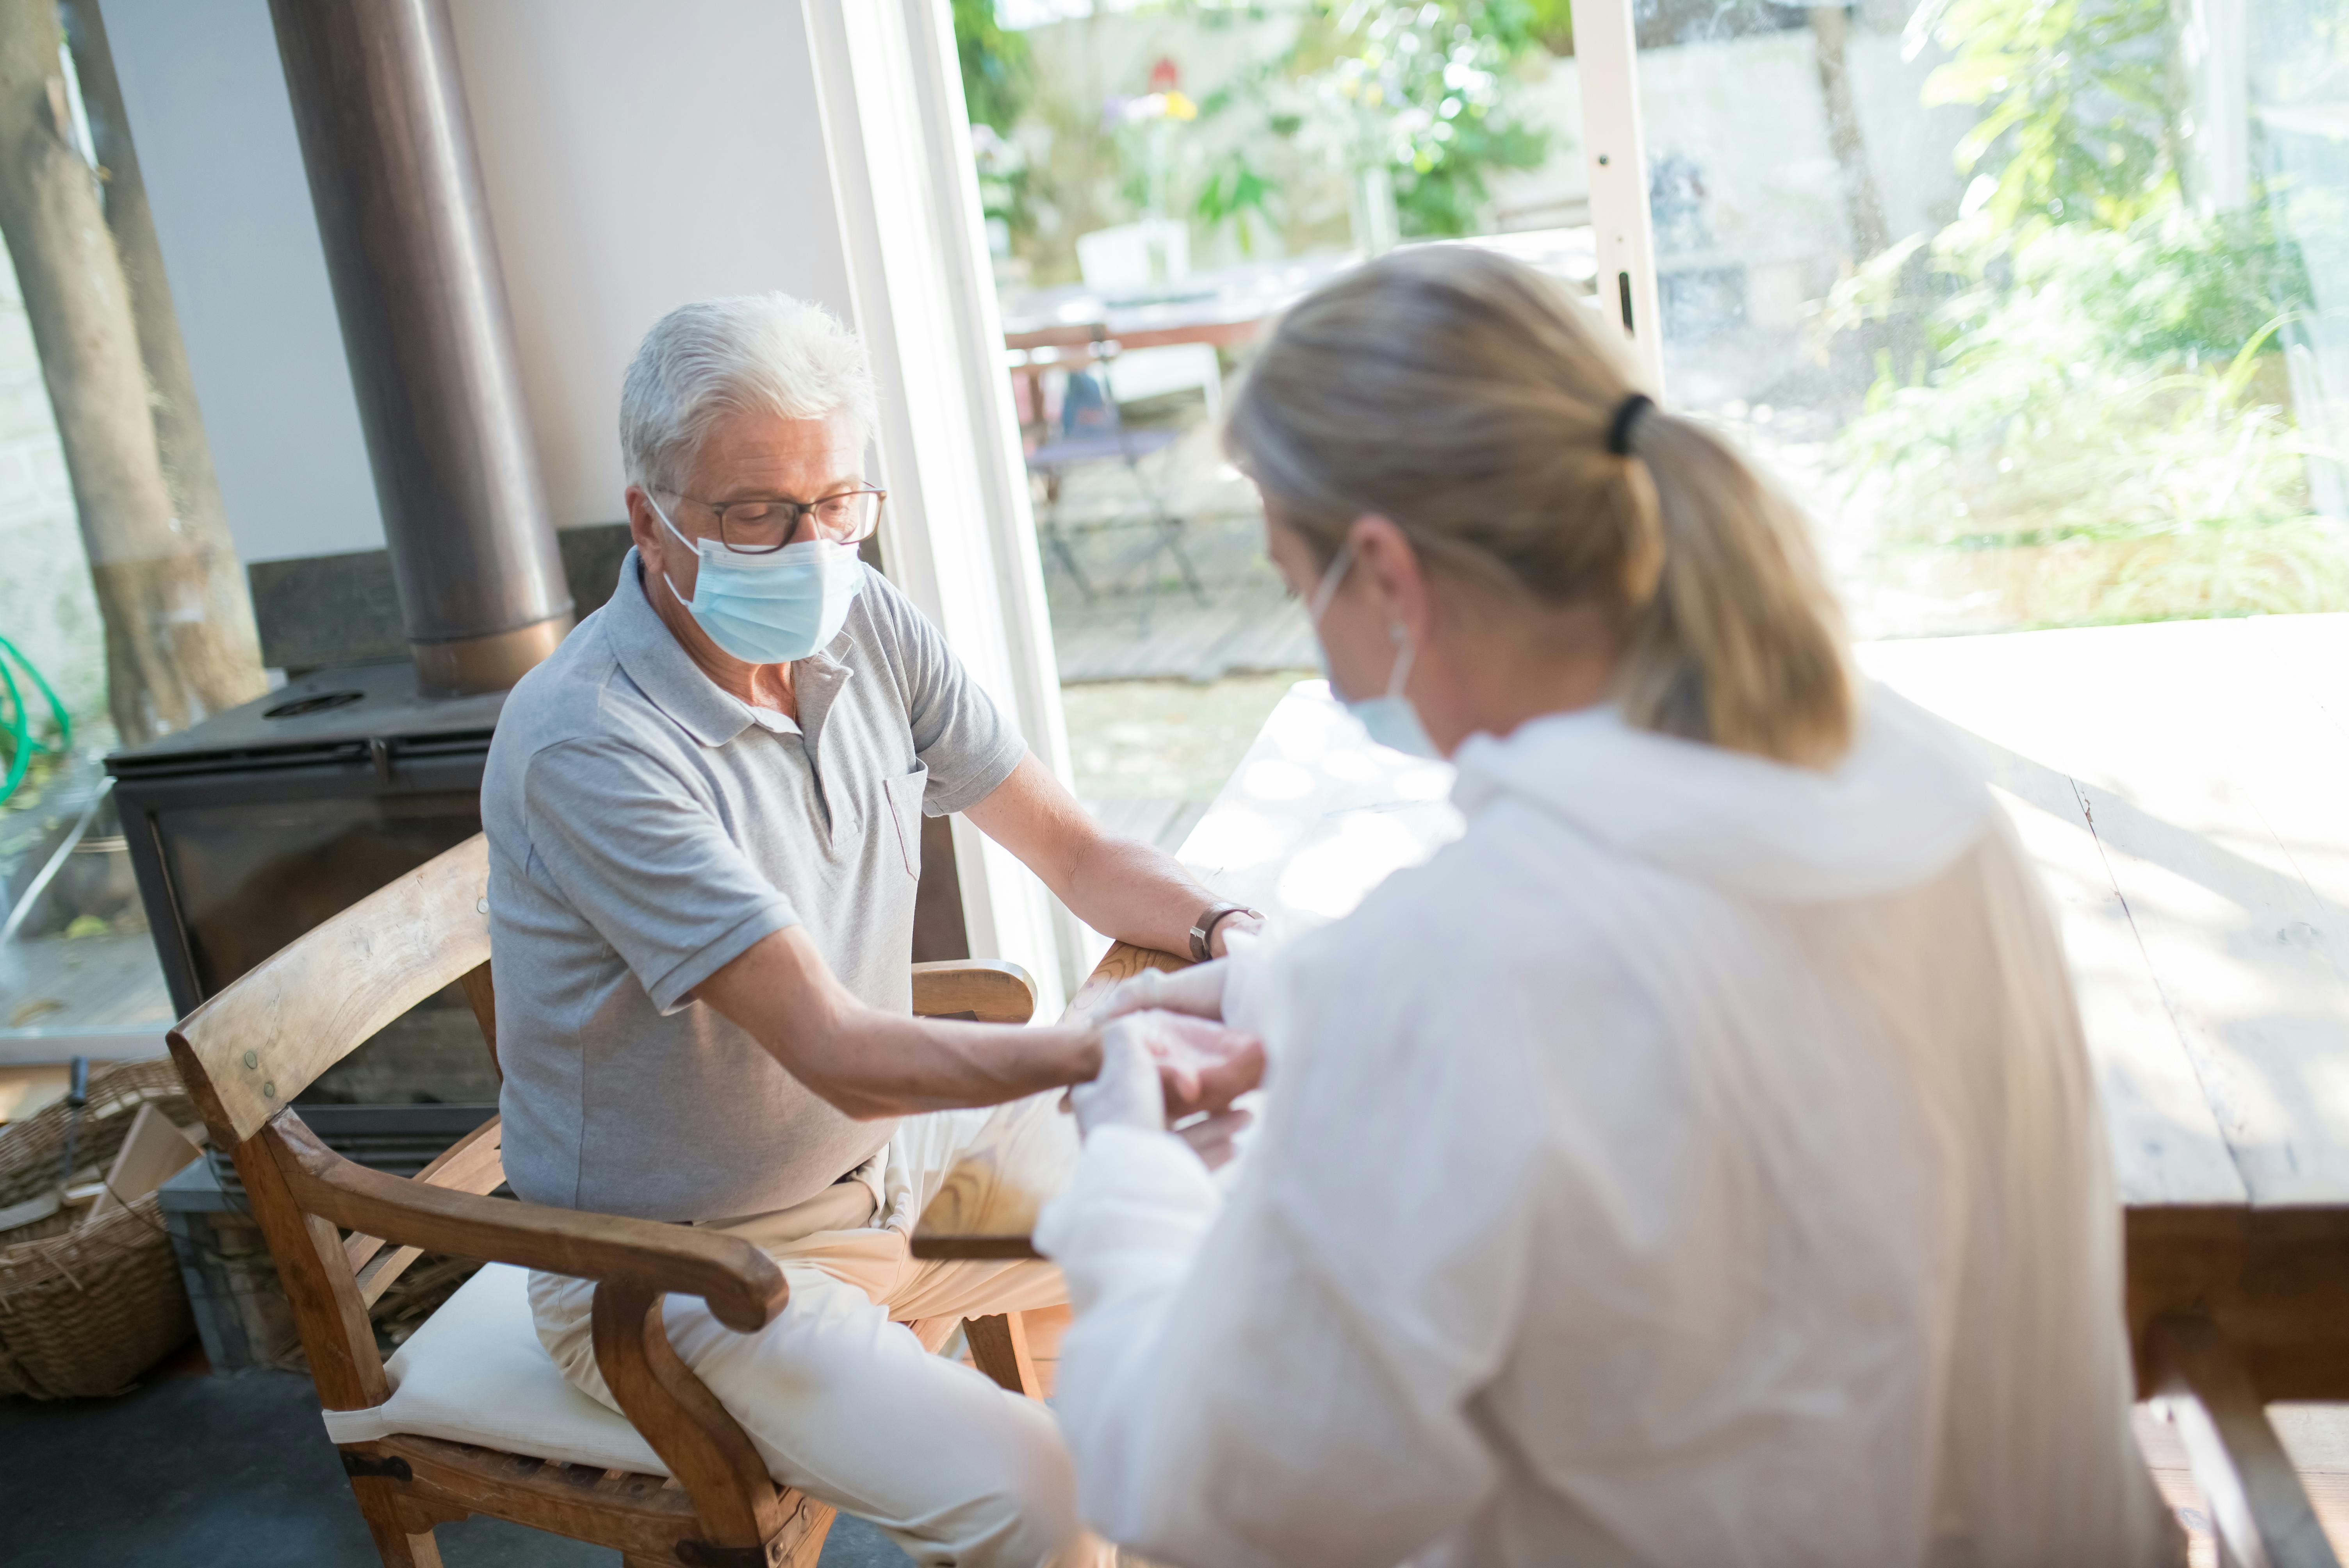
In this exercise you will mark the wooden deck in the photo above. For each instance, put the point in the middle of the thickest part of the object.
(1248, 626)
(1143, 624)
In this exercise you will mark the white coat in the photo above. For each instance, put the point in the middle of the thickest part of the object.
(1697, 1163)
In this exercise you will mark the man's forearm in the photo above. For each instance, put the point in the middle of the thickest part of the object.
(1117, 886)
(1135, 894)
(873, 1064)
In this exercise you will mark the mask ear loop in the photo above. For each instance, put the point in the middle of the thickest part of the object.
(1401, 676)
(681, 539)
(1328, 588)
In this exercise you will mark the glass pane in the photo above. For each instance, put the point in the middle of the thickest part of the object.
(252, 877)
(1167, 176)
(2038, 307)
(1145, 224)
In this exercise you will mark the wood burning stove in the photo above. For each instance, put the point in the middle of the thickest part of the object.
(253, 826)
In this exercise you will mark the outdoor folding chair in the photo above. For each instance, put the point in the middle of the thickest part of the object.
(1092, 432)
(471, 1416)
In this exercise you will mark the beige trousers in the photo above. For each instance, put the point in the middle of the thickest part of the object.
(841, 1399)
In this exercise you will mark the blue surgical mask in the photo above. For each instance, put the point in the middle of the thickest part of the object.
(1390, 720)
(771, 608)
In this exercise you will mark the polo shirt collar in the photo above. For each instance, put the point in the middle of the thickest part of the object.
(667, 673)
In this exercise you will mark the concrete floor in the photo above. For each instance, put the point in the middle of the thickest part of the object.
(196, 1471)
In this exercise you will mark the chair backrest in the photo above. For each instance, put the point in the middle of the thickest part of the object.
(248, 1051)
(267, 1038)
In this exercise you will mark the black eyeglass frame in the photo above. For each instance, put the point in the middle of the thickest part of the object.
(800, 510)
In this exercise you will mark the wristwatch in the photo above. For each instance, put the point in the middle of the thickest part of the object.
(1203, 930)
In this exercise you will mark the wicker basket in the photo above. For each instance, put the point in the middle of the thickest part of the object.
(85, 1311)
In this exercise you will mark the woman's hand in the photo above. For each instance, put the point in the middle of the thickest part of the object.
(1156, 1062)
(1234, 933)
(1198, 991)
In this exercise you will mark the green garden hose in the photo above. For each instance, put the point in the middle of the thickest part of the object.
(16, 723)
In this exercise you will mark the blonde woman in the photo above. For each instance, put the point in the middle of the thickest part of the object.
(1697, 1162)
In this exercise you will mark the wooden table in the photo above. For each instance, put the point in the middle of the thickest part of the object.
(2184, 789)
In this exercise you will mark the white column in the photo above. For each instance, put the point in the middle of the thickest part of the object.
(1606, 51)
(957, 535)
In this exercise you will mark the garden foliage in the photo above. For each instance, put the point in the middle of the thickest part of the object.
(2096, 422)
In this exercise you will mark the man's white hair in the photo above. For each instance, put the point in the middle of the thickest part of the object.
(769, 353)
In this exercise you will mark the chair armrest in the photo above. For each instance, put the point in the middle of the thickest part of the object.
(696, 1436)
(993, 990)
(474, 1163)
(744, 1288)
(1123, 961)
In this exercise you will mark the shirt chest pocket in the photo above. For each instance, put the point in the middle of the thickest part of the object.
(905, 794)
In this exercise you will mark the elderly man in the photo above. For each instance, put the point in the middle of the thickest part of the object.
(704, 815)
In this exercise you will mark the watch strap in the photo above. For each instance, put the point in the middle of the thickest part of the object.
(1203, 930)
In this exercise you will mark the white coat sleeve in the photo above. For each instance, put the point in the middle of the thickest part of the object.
(1287, 1376)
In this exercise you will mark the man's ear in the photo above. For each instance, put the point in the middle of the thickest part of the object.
(644, 528)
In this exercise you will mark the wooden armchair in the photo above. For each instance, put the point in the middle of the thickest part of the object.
(596, 1477)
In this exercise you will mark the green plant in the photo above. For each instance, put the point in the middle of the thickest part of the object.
(2080, 103)
(18, 726)
(2099, 432)
(1553, 23)
(999, 75)
(1236, 192)
(998, 83)
(2172, 288)
(1429, 92)
(2091, 421)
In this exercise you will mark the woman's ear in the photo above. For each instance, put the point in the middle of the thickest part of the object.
(1389, 568)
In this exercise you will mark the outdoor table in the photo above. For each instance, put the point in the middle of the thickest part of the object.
(1228, 306)
(1224, 307)
(2183, 790)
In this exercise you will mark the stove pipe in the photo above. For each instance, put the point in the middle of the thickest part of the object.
(388, 145)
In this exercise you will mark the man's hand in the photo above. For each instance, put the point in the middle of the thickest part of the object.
(1157, 1065)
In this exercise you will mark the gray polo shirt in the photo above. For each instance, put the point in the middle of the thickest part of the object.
(644, 828)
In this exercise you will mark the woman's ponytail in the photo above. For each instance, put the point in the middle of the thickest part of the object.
(1741, 643)
(1484, 411)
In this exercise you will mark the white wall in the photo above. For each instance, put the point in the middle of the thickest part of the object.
(617, 188)
(621, 184)
(208, 110)
(1750, 112)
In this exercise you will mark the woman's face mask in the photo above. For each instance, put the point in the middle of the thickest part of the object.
(1390, 720)
(771, 608)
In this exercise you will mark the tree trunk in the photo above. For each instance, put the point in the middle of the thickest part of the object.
(179, 624)
(1830, 30)
(179, 419)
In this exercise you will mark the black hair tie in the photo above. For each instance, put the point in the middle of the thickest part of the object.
(1627, 413)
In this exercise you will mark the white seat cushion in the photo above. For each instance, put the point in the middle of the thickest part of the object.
(475, 1372)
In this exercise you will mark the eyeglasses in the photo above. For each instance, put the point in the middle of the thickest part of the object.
(758, 525)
